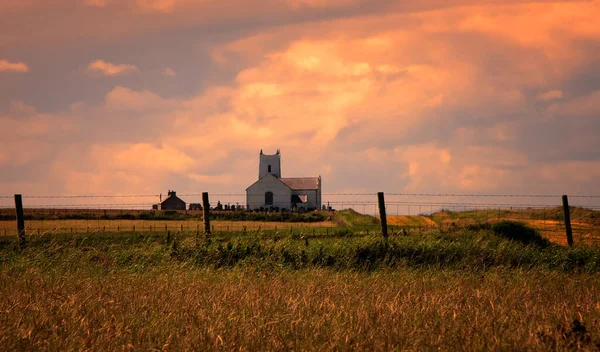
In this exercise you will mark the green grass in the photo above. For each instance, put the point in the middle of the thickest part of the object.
(351, 218)
(552, 213)
(467, 250)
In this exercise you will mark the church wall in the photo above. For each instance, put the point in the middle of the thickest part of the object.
(312, 200)
(255, 194)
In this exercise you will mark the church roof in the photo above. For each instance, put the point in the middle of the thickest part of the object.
(268, 175)
(301, 183)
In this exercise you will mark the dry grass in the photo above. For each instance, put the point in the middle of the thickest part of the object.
(410, 221)
(584, 223)
(79, 226)
(178, 307)
(107, 293)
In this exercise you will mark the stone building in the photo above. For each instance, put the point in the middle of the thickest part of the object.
(273, 191)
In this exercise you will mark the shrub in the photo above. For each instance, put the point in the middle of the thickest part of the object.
(517, 231)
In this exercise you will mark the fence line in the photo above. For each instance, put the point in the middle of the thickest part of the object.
(407, 214)
(345, 205)
(325, 194)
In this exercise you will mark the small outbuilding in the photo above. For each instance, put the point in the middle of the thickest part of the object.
(172, 202)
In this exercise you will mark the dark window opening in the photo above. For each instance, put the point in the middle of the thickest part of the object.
(269, 198)
(269, 168)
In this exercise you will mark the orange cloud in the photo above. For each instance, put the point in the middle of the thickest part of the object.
(96, 3)
(141, 156)
(296, 4)
(169, 72)
(550, 95)
(121, 98)
(7, 66)
(111, 70)
(157, 5)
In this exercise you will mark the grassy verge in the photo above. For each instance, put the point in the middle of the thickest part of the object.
(475, 251)
(351, 218)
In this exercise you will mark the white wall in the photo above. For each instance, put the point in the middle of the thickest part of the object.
(265, 161)
(255, 194)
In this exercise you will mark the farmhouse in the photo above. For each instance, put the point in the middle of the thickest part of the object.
(172, 202)
(273, 191)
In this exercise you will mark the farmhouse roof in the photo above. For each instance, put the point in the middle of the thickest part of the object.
(301, 183)
(172, 196)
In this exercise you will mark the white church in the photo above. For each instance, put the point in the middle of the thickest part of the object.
(273, 191)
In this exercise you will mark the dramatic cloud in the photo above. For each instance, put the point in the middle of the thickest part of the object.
(470, 97)
(110, 70)
(7, 66)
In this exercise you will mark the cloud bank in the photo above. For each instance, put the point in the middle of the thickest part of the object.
(495, 97)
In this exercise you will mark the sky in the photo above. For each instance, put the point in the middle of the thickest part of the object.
(142, 96)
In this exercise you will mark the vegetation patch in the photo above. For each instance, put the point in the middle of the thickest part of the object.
(352, 218)
(517, 231)
(272, 216)
(466, 250)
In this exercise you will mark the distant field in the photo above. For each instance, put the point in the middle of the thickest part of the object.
(549, 222)
(410, 221)
(79, 226)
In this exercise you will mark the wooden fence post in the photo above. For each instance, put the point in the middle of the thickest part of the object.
(565, 202)
(20, 219)
(206, 212)
(381, 201)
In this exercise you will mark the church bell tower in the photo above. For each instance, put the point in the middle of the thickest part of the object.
(269, 164)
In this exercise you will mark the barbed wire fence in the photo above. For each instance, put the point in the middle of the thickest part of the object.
(406, 212)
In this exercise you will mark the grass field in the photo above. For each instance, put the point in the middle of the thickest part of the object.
(468, 290)
(549, 222)
(450, 281)
(410, 221)
(81, 226)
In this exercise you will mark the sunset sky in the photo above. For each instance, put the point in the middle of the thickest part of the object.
(142, 96)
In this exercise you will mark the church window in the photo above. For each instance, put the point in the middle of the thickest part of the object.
(269, 198)
(269, 168)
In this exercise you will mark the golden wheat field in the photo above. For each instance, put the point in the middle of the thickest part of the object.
(176, 308)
